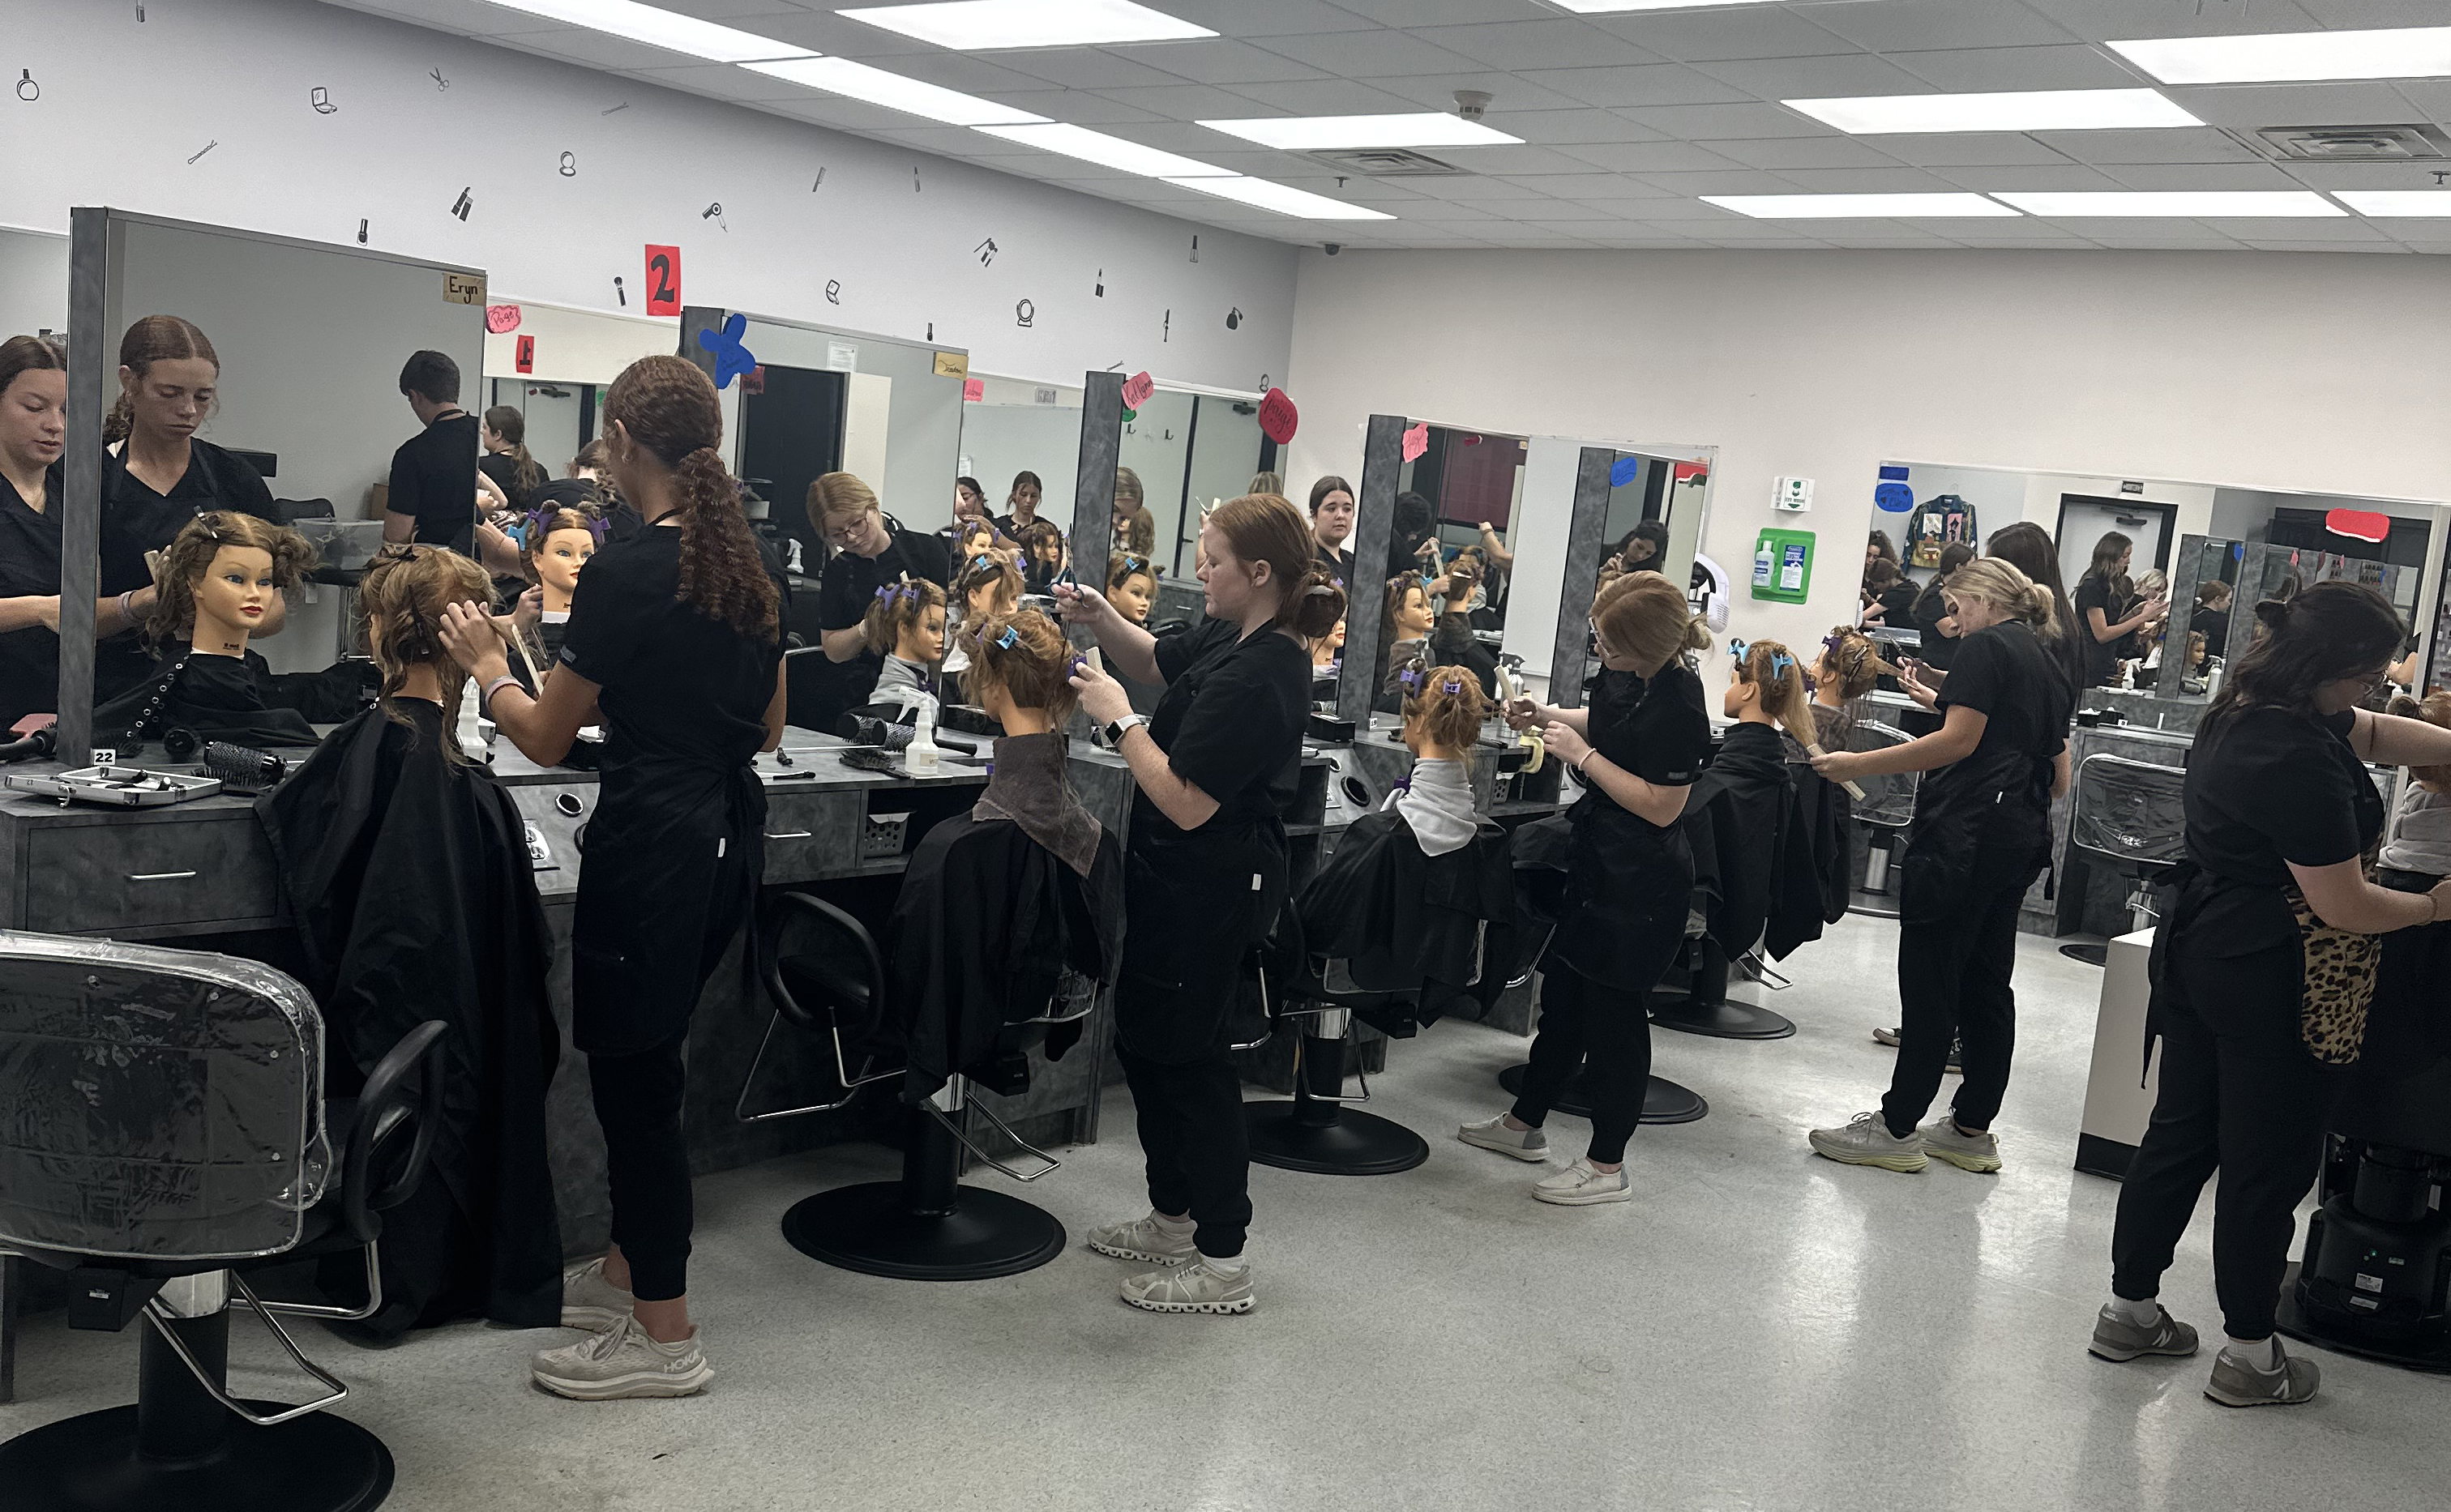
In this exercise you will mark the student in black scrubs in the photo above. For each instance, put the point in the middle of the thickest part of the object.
(1203, 875)
(1331, 526)
(1021, 506)
(871, 548)
(1982, 830)
(506, 460)
(2256, 1049)
(433, 494)
(1928, 615)
(674, 645)
(1639, 745)
(157, 474)
(2105, 614)
(2029, 549)
(33, 431)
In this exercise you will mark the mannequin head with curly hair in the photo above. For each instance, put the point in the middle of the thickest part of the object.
(907, 619)
(221, 576)
(1444, 709)
(1021, 669)
(554, 546)
(403, 597)
(662, 424)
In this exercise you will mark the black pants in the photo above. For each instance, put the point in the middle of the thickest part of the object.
(1953, 987)
(1608, 1028)
(1198, 1156)
(638, 1103)
(2239, 1094)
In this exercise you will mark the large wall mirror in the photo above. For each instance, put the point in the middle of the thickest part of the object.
(552, 363)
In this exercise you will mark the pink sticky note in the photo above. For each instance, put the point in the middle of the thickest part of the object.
(1417, 440)
(501, 319)
(1278, 416)
(1137, 388)
(973, 390)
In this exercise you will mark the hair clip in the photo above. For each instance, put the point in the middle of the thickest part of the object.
(1080, 664)
(596, 528)
(1779, 663)
(885, 594)
(1011, 638)
(1738, 650)
(1411, 678)
(984, 559)
(1455, 686)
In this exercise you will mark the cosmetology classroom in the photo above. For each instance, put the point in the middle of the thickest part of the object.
(1224, 754)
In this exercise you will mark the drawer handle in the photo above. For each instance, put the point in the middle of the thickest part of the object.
(160, 875)
(789, 834)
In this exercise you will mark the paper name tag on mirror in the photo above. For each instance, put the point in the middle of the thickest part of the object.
(463, 289)
(952, 364)
(501, 319)
(1137, 388)
(1417, 440)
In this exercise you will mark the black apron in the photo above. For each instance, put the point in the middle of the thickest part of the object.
(1950, 819)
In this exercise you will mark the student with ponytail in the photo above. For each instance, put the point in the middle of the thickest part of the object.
(506, 460)
(1982, 830)
(674, 645)
(1638, 746)
(1203, 874)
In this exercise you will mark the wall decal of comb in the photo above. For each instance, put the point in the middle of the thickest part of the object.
(731, 359)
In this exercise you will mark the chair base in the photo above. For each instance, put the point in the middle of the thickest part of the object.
(2091, 953)
(88, 1464)
(1664, 1101)
(1726, 1020)
(2433, 1356)
(872, 1230)
(1351, 1143)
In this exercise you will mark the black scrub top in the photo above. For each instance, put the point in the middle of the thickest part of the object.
(30, 567)
(136, 520)
(2094, 591)
(504, 470)
(2265, 788)
(1230, 722)
(1936, 649)
(1011, 529)
(847, 588)
(1627, 880)
(434, 478)
(2004, 673)
(1336, 559)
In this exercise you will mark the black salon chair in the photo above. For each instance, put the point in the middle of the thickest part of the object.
(1886, 809)
(1694, 999)
(2375, 1279)
(165, 1140)
(2129, 817)
(827, 979)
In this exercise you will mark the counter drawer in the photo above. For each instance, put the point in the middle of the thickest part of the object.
(135, 875)
(811, 835)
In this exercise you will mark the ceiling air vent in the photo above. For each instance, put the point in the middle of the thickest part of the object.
(1389, 163)
(2354, 144)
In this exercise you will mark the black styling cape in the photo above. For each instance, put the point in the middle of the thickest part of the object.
(409, 880)
(1746, 827)
(1009, 913)
(1407, 923)
(217, 697)
(1827, 814)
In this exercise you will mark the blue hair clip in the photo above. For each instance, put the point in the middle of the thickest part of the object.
(1009, 639)
(983, 559)
(1738, 650)
(1779, 663)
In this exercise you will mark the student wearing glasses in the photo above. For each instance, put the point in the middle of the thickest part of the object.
(871, 550)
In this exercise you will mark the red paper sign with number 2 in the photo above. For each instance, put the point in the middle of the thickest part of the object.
(663, 280)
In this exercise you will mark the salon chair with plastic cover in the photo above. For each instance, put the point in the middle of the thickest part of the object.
(1887, 808)
(2129, 817)
(827, 979)
(165, 1135)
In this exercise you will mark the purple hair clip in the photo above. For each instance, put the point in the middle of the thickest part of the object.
(1455, 686)
(1411, 678)
(885, 594)
(1009, 639)
(596, 528)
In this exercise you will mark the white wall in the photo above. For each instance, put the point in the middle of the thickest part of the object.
(33, 281)
(123, 104)
(2272, 370)
(999, 439)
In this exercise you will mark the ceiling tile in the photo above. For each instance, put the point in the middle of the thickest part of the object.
(1898, 27)
(1380, 54)
(595, 49)
(1976, 70)
(2180, 144)
(1725, 181)
(2274, 228)
(1655, 84)
(1411, 13)
(971, 72)
(1267, 18)
(1972, 148)
(1078, 106)
(468, 17)
(2365, 175)
(1895, 178)
(1529, 159)
(1751, 120)
(2096, 19)
(1221, 60)
(2034, 180)
(1081, 68)
(820, 30)
(1805, 152)
(1649, 156)
(1506, 91)
(1182, 102)
(1587, 186)
(725, 81)
(2249, 105)
(2132, 229)
(2432, 97)
(1794, 78)
(2329, 247)
(1734, 229)
(2202, 176)
(1754, 31)
(1440, 210)
(2352, 15)
(1316, 97)
(1476, 189)
(1561, 43)
(1564, 128)
(1656, 209)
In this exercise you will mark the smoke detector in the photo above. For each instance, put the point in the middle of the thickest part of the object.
(2353, 143)
(1472, 104)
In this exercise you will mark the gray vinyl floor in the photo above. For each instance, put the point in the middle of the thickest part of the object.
(1759, 1329)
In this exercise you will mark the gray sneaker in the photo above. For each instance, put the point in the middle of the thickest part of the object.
(2237, 1384)
(622, 1362)
(2117, 1340)
(1492, 1133)
(590, 1301)
(1944, 1140)
(1581, 1186)
(1867, 1141)
(1196, 1287)
(1144, 1239)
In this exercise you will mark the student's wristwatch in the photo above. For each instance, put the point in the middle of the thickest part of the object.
(1115, 730)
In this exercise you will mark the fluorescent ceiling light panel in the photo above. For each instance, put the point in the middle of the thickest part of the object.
(2406, 52)
(1856, 206)
(2396, 203)
(2019, 111)
(968, 26)
(1314, 133)
(2187, 203)
(659, 28)
(1113, 152)
(1282, 199)
(860, 82)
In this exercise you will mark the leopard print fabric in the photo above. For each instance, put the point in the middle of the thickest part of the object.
(2340, 983)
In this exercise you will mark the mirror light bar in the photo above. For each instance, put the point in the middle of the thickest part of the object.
(2185, 203)
(2396, 203)
(1280, 198)
(659, 28)
(1313, 134)
(1113, 152)
(1856, 206)
(2406, 52)
(860, 82)
(2018, 111)
(968, 26)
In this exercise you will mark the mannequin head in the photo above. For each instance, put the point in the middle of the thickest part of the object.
(168, 377)
(988, 585)
(972, 539)
(33, 406)
(1444, 709)
(554, 546)
(907, 619)
(1021, 669)
(220, 577)
(1849, 667)
(1768, 688)
(1131, 586)
(1327, 648)
(403, 597)
(1042, 547)
(1409, 610)
(1643, 622)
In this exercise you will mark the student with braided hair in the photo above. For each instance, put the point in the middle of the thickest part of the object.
(674, 645)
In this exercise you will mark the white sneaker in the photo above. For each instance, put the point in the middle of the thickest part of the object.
(1867, 1141)
(1581, 1186)
(1978, 1153)
(623, 1361)
(1196, 1287)
(1492, 1133)
(1150, 1240)
(590, 1301)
